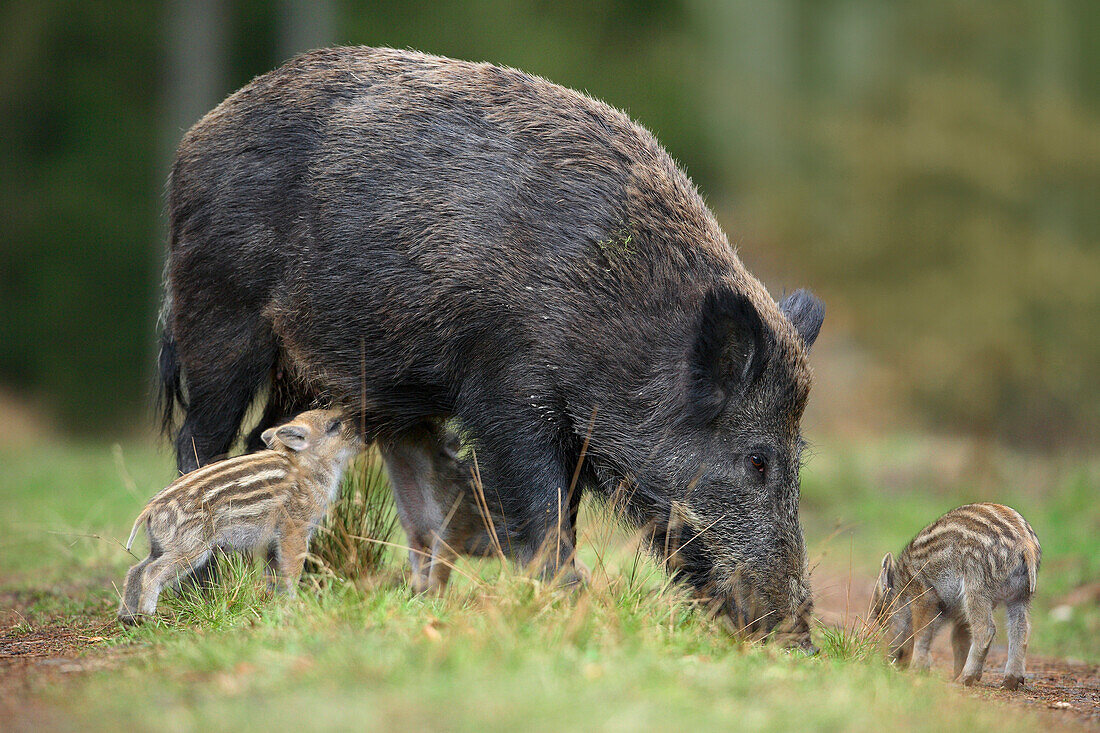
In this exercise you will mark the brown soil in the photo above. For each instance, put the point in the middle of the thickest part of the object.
(1066, 690)
(25, 423)
(38, 650)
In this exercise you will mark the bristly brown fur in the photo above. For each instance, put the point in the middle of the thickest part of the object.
(269, 501)
(417, 238)
(957, 569)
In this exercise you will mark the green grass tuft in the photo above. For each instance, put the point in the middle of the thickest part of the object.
(851, 644)
(355, 538)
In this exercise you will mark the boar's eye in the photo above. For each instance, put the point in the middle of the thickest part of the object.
(757, 462)
(333, 426)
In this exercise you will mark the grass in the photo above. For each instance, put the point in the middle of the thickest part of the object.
(628, 651)
(518, 657)
(857, 642)
(355, 538)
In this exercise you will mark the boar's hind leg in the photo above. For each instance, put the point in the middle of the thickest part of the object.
(223, 374)
(409, 466)
(1019, 628)
(979, 615)
(131, 592)
(167, 570)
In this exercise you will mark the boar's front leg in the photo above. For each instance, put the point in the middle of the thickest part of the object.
(284, 401)
(532, 478)
(290, 548)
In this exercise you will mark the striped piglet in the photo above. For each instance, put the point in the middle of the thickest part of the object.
(270, 501)
(957, 569)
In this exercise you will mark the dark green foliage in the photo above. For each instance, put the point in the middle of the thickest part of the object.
(78, 267)
(929, 168)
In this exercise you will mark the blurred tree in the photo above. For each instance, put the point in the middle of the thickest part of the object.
(305, 24)
(197, 74)
(942, 188)
(931, 167)
(77, 105)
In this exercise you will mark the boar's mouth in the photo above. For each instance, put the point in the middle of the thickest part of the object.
(748, 613)
(739, 601)
(790, 632)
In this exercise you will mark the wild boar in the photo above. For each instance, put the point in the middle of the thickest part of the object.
(418, 238)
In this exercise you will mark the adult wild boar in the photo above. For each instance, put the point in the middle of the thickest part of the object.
(416, 238)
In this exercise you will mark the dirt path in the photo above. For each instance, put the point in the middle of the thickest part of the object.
(41, 652)
(1067, 690)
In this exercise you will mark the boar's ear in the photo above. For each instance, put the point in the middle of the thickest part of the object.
(728, 353)
(293, 436)
(805, 312)
(268, 437)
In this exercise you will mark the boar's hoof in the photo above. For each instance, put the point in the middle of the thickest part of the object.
(968, 680)
(1011, 682)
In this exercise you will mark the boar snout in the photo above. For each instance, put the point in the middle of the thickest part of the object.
(793, 632)
(807, 647)
(783, 618)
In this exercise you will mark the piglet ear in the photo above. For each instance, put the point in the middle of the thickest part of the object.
(886, 576)
(806, 313)
(293, 436)
(268, 437)
(728, 353)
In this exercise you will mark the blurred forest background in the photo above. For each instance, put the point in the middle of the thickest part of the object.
(932, 169)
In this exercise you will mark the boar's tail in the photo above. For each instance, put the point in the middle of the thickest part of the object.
(169, 375)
